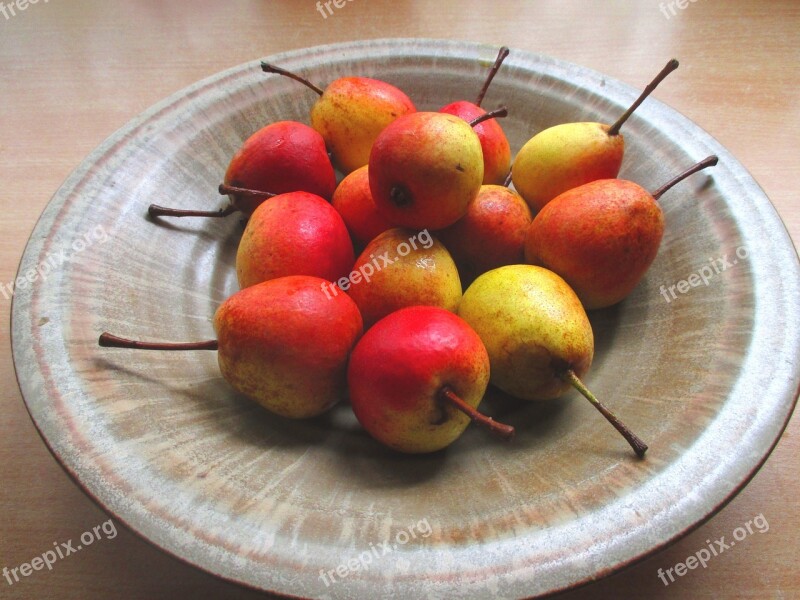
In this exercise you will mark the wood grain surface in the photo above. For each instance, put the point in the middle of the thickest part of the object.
(71, 73)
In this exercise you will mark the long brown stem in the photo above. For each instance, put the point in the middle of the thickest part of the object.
(501, 56)
(637, 444)
(269, 68)
(231, 190)
(154, 210)
(499, 429)
(709, 161)
(669, 68)
(492, 114)
(108, 340)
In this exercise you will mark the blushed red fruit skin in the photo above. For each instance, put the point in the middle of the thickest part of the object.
(294, 234)
(404, 360)
(491, 234)
(287, 333)
(354, 202)
(494, 143)
(286, 156)
(600, 237)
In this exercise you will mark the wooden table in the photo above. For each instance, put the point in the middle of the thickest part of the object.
(73, 72)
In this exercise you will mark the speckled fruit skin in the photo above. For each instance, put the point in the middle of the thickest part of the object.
(564, 157)
(354, 202)
(426, 276)
(533, 326)
(398, 368)
(425, 169)
(264, 335)
(285, 156)
(600, 237)
(294, 234)
(494, 143)
(490, 235)
(350, 114)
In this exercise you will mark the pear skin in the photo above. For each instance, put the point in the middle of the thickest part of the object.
(534, 329)
(282, 157)
(264, 350)
(600, 237)
(397, 372)
(494, 143)
(425, 169)
(401, 268)
(563, 157)
(490, 235)
(294, 234)
(353, 200)
(350, 114)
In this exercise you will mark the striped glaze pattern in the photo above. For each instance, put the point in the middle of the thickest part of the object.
(708, 380)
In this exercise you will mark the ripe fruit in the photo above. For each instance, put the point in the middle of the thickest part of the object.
(537, 334)
(568, 155)
(416, 379)
(601, 237)
(350, 113)
(425, 168)
(354, 202)
(263, 342)
(286, 156)
(294, 234)
(401, 268)
(494, 144)
(490, 235)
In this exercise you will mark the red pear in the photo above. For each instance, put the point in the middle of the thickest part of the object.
(286, 156)
(490, 235)
(354, 202)
(494, 143)
(294, 234)
(416, 379)
(264, 335)
(601, 237)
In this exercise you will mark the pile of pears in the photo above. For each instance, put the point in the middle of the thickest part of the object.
(422, 277)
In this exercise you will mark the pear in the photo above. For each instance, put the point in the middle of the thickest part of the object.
(537, 334)
(570, 154)
(416, 379)
(400, 268)
(285, 156)
(350, 113)
(353, 200)
(494, 143)
(425, 169)
(294, 234)
(601, 237)
(263, 344)
(490, 235)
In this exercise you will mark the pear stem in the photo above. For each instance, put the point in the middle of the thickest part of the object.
(269, 68)
(709, 161)
(108, 340)
(637, 444)
(493, 114)
(499, 429)
(508, 180)
(225, 190)
(154, 210)
(669, 68)
(501, 56)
